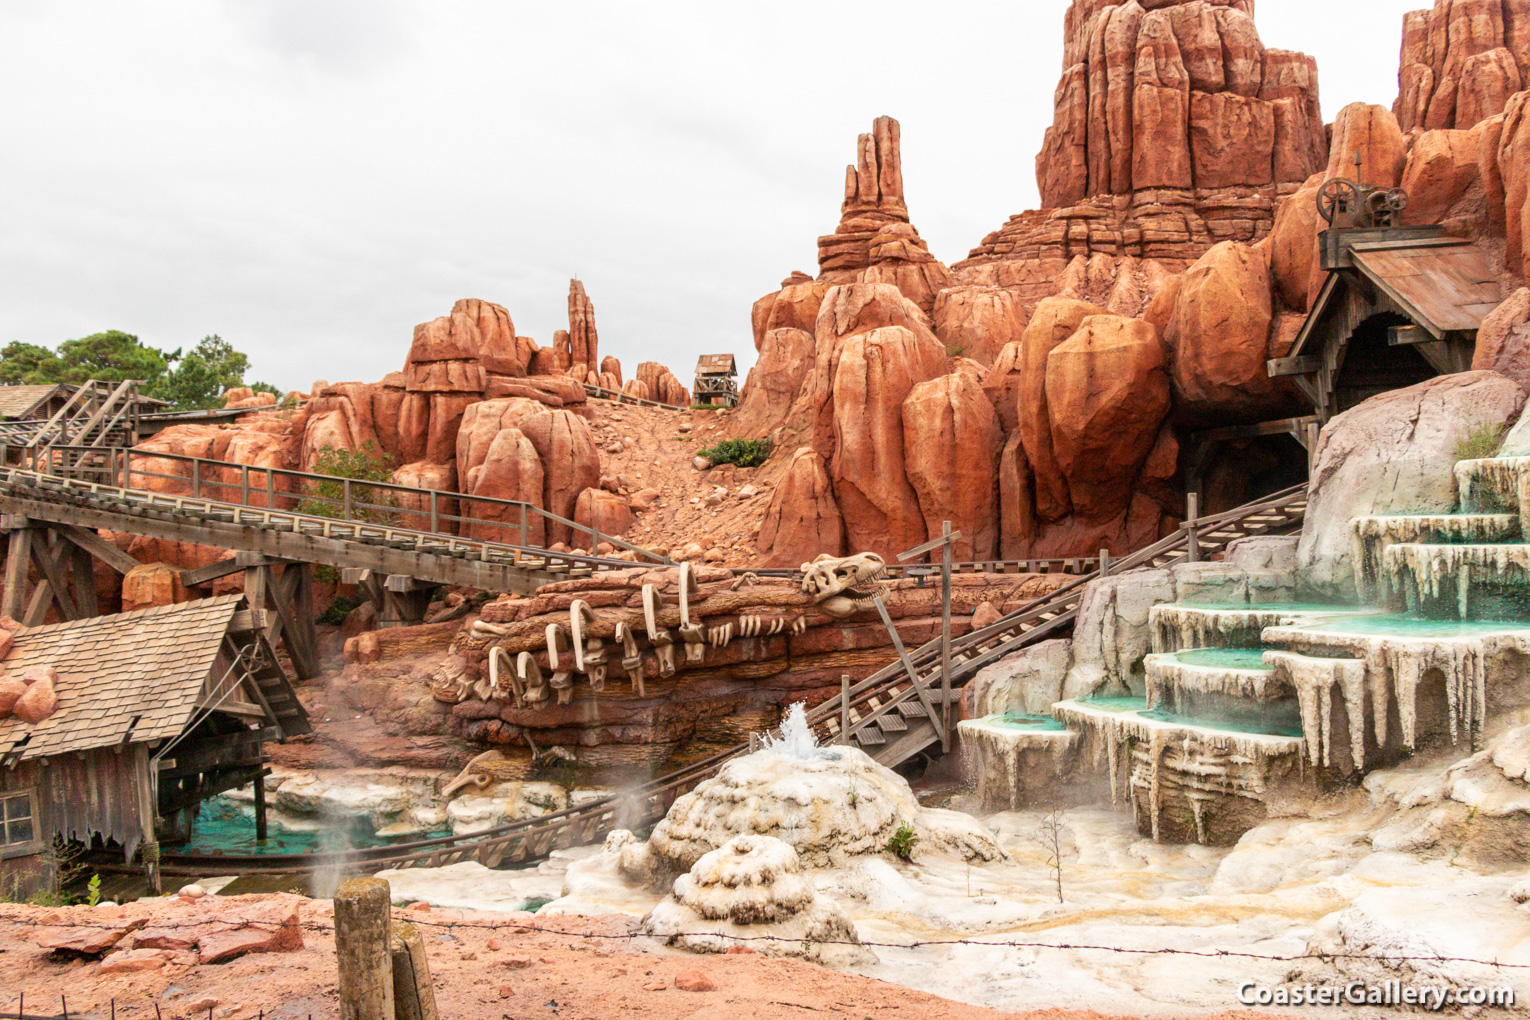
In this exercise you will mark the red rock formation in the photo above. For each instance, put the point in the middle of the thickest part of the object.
(481, 423)
(1461, 61)
(951, 442)
(424, 476)
(1056, 320)
(1372, 133)
(610, 366)
(873, 374)
(1217, 340)
(774, 382)
(1017, 514)
(570, 463)
(583, 341)
(604, 511)
(1181, 108)
(152, 584)
(1514, 169)
(803, 519)
(509, 469)
(1107, 393)
(976, 322)
(1002, 385)
(1503, 340)
(794, 306)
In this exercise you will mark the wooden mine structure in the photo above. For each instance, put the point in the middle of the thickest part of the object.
(715, 380)
(157, 711)
(1400, 305)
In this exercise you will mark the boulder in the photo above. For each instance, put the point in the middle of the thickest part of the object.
(482, 422)
(803, 518)
(1514, 168)
(606, 512)
(612, 367)
(1218, 339)
(1028, 681)
(1002, 384)
(1441, 166)
(510, 469)
(1294, 268)
(1107, 393)
(152, 584)
(423, 476)
(977, 322)
(1372, 132)
(873, 376)
(11, 689)
(1503, 339)
(773, 383)
(795, 307)
(40, 700)
(1017, 510)
(1054, 321)
(951, 442)
(1392, 454)
(497, 348)
(570, 463)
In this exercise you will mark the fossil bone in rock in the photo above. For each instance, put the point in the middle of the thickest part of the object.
(531, 679)
(562, 663)
(589, 650)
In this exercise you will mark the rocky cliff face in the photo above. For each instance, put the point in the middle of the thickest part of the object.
(1174, 129)
(1461, 61)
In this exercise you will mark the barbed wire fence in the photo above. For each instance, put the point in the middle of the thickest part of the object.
(421, 919)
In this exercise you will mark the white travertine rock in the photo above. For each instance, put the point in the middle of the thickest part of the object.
(751, 891)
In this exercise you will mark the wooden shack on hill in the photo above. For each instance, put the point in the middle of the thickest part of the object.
(157, 710)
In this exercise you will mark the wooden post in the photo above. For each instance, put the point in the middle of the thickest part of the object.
(196, 477)
(1104, 562)
(1192, 511)
(18, 558)
(362, 952)
(524, 542)
(844, 708)
(413, 996)
(244, 484)
(270, 490)
(345, 511)
(945, 635)
(260, 806)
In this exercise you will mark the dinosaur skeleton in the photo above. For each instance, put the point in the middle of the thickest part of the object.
(632, 659)
(691, 631)
(504, 684)
(561, 662)
(530, 675)
(662, 640)
(589, 652)
(844, 585)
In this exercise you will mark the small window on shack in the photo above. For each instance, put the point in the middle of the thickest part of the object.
(18, 821)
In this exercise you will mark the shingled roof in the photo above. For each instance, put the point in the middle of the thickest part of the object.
(131, 677)
(19, 401)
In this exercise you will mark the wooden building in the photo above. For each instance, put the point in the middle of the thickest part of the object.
(158, 710)
(715, 380)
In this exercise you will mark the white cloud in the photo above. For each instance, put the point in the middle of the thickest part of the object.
(310, 178)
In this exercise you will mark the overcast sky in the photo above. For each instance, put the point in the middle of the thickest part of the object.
(310, 178)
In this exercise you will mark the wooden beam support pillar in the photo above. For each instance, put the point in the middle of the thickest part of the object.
(18, 558)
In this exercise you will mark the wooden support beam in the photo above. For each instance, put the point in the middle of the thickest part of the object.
(98, 547)
(83, 570)
(18, 558)
(1304, 364)
(47, 556)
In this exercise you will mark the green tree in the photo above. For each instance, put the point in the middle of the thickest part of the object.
(112, 355)
(203, 374)
(22, 363)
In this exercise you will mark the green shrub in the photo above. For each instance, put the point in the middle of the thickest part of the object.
(743, 452)
(339, 609)
(368, 464)
(1481, 442)
(902, 843)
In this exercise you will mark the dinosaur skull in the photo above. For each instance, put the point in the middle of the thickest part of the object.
(842, 585)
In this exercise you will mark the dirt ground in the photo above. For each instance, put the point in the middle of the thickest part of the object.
(485, 967)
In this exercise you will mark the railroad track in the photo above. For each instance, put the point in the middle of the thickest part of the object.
(884, 714)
